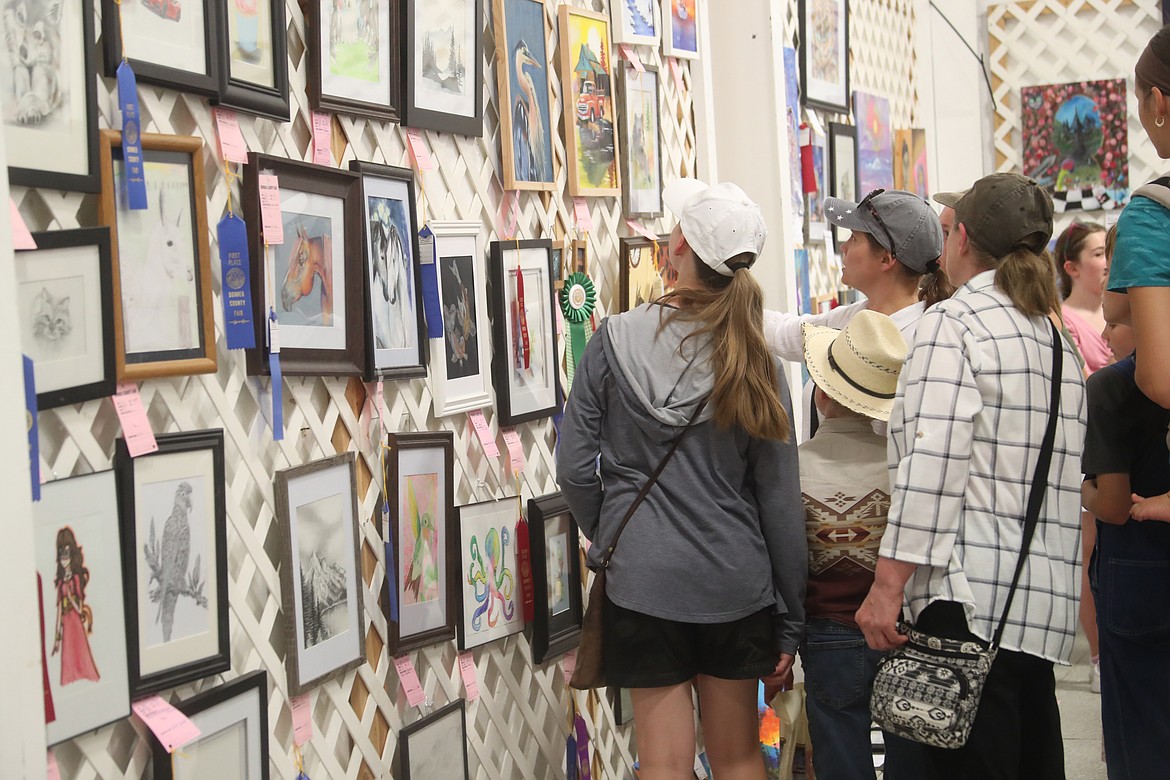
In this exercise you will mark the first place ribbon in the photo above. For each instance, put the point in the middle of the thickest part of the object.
(237, 288)
(131, 138)
(578, 298)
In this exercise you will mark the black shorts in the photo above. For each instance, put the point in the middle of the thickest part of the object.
(642, 651)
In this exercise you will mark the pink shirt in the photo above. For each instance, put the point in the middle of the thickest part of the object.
(1090, 343)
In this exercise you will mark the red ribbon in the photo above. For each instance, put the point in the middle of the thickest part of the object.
(523, 349)
(524, 561)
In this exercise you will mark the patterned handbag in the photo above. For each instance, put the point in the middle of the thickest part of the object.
(928, 690)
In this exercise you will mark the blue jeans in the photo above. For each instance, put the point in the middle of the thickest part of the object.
(838, 677)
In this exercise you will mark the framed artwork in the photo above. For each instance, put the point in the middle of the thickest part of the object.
(353, 62)
(636, 22)
(233, 733)
(459, 361)
(804, 301)
(395, 331)
(525, 121)
(65, 292)
(824, 54)
(823, 304)
(1075, 142)
(174, 545)
(523, 331)
(644, 275)
(490, 580)
(169, 43)
(253, 64)
(320, 576)
(579, 260)
(428, 747)
(50, 104)
(591, 143)
(842, 168)
(792, 117)
(910, 162)
(79, 584)
(557, 258)
(642, 139)
(315, 280)
(556, 577)
(421, 553)
(875, 144)
(680, 28)
(815, 210)
(444, 66)
(163, 319)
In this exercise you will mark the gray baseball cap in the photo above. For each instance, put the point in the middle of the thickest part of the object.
(902, 218)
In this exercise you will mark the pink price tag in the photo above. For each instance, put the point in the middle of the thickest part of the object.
(570, 665)
(515, 450)
(270, 218)
(172, 728)
(21, 238)
(509, 213)
(640, 229)
(632, 57)
(135, 425)
(581, 210)
(232, 146)
(467, 669)
(484, 433)
(322, 138)
(302, 718)
(54, 771)
(418, 148)
(410, 682)
(676, 71)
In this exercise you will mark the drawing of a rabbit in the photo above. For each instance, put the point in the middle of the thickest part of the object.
(165, 245)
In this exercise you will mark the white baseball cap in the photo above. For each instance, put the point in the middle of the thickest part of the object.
(719, 221)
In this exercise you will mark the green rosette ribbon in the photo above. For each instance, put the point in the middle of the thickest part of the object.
(578, 299)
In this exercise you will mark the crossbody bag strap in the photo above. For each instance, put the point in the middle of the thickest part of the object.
(1039, 479)
(650, 483)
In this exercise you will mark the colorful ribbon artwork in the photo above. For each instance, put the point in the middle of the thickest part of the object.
(578, 298)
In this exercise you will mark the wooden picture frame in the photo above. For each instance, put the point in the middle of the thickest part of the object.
(322, 323)
(435, 746)
(395, 329)
(680, 29)
(317, 511)
(825, 91)
(240, 705)
(67, 325)
(146, 344)
(345, 89)
(578, 261)
(842, 153)
(490, 602)
(165, 41)
(460, 372)
(592, 150)
(521, 30)
(636, 30)
(524, 392)
(173, 500)
(253, 63)
(65, 159)
(555, 546)
(638, 96)
(433, 101)
(643, 277)
(420, 463)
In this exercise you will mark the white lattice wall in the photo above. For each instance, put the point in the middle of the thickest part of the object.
(517, 727)
(1057, 41)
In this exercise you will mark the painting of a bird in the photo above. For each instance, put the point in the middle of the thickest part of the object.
(176, 551)
(528, 122)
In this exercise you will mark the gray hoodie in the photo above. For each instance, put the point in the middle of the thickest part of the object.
(721, 534)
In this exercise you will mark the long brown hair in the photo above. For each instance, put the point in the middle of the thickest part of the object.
(1024, 276)
(67, 541)
(933, 286)
(730, 309)
(1068, 248)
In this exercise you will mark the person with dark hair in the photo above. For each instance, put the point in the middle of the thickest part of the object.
(968, 420)
(74, 621)
(680, 403)
(1080, 267)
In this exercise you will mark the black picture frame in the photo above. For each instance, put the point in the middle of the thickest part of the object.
(812, 101)
(368, 172)
(206, 84)
(252, 97)
(99, 239)
(90, 181)
(442, 718)
(325, 101)
(554, 633)
(838, 166)
(509, 409)
(428, 119)
(251, 685)
(315, 180)
(125, 467)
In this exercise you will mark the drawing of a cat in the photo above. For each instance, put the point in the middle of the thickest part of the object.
(52, 319)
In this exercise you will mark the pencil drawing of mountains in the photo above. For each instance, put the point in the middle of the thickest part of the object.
(323, 594)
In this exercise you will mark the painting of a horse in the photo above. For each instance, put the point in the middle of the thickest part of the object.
(310, 260)
(392, 301)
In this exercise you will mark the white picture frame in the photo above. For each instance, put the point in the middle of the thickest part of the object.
(643, 28)
(490, 605)
(680, 28)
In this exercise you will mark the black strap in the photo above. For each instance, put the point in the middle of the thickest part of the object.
(650, 483)
(1039, 479)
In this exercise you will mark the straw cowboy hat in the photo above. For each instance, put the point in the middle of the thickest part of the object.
(858, 367)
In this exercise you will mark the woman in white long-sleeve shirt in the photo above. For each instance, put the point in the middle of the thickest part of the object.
(896, 241)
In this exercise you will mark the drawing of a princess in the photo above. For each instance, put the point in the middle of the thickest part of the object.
(74, 616)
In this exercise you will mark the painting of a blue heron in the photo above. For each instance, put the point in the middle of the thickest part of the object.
(525, 109)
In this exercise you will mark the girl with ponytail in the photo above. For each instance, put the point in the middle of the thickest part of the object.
(679, 401)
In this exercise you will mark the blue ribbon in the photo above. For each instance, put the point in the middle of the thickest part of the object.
(131, 138)
(391, 579)
(430, 284)
(34, 446)
(571, 758)
(277, 391)
(237, 287)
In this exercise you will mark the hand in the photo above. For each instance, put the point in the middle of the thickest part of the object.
(781, 678)
(56, 645)
(878, 619)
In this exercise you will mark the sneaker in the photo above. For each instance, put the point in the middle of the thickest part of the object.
(1095, 676)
